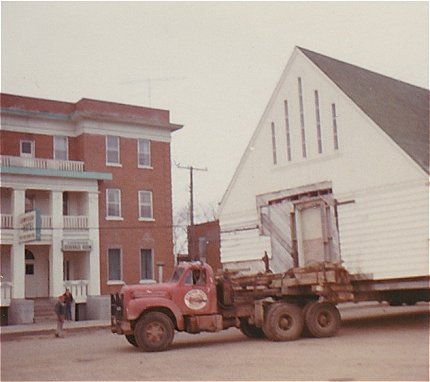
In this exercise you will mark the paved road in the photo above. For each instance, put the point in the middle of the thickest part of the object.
(375, 343)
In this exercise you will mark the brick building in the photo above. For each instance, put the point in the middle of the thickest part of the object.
(204, 243)
(94, 177)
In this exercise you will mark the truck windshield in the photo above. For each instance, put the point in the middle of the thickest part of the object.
(176, 275)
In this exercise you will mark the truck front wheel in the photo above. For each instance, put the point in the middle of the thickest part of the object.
(154, 332)
(322, 319)
(283, 322)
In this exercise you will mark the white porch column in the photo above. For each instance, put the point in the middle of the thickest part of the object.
(56, 255)
(18, 250)
(94, 255)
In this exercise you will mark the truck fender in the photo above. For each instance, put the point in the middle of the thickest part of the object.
(136, 307)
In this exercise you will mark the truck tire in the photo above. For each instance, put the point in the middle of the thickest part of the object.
(322, 319)
(250, 330)
(283, 322)
(131, 339)
(154, 332)
(306, 332)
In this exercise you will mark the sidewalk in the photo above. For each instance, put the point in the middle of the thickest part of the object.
(47, 328)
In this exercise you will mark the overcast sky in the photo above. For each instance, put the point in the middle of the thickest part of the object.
(214, 65)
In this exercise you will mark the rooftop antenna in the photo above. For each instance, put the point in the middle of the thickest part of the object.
(150, 81)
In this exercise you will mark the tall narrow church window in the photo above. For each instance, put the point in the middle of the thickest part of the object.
(302, 118)
(318, 121)
(275, 161)
(335, 136)
(287, 130)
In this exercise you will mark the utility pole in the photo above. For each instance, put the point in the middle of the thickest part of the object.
(191, 168)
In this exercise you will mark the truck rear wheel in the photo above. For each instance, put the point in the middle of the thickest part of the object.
(322, 319)
(283, 322)
(154, 332)
(250, 330)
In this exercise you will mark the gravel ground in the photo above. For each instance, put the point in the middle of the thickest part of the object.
(376, 342)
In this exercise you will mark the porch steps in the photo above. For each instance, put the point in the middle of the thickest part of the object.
(44, 310)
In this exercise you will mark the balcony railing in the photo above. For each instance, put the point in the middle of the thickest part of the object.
(46, 221)
(6, 221)
(75, 222)
(78, 288)
(70, 222)
(41, 163)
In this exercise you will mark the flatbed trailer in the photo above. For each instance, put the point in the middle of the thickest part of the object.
(395, 291)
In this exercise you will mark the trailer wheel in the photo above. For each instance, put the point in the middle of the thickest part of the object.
(306, 332)
(131, 339)
(250, 330)
(283, 322)
(322, 319)
(154, 332)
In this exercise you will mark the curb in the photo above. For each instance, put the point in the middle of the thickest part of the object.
(48, 331)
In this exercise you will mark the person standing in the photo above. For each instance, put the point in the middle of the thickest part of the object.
(68, 299)
(60, 310)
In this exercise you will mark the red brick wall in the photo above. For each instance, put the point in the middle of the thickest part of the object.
(10, 143)
(130, 234)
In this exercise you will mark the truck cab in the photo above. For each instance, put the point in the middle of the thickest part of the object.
(149, 314)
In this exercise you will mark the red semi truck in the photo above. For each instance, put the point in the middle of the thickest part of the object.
(280, 307)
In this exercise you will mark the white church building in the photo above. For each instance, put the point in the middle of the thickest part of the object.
(336, 170)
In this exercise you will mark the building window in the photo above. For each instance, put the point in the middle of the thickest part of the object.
(61, 148)
(114, 264)
(27, 148)
(274, 144)
(145, 205)
(30, 203)
(318, 121)
(287, 130)
(29, 262)
(302, 117)
(146, 264)
(335, 135)
(113, 202)
(29, 269)
(144, 152)
(65, 203)
(112, 150)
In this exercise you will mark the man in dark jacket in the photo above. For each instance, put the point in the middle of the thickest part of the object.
(68, 299)
(60, 310)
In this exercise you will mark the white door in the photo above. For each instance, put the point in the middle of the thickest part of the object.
(312, 241)
(30, 275)
(317, 232)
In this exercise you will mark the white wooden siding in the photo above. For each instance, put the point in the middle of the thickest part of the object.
(385, 232)
(243, 245)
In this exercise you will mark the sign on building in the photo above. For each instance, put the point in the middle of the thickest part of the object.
(76, 245)
(30, 224)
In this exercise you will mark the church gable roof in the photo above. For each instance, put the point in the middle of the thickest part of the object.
(400, 109)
